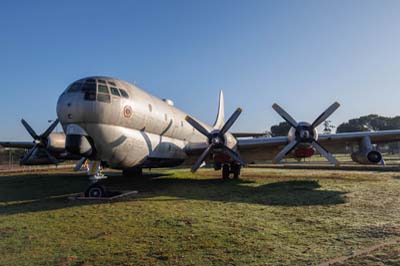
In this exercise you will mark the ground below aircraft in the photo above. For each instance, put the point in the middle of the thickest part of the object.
(111, 123)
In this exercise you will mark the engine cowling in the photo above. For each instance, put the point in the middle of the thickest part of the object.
(56, 142)
(367, 157)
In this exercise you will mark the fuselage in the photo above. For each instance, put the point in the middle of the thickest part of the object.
(126, 126)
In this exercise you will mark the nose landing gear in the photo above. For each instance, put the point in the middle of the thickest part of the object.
(96, 189)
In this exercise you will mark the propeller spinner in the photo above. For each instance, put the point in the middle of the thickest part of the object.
(40, 142)
(216, 140)
(305, 133)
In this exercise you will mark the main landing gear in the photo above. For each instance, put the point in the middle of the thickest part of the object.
(233, 169)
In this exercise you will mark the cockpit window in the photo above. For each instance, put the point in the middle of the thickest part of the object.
(111, 83)
(114, 91)
(102, 89)
(89, 86)
(90, 96)
(102, 81)
(103, 97)
(124, 93)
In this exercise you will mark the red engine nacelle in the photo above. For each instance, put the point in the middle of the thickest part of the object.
(304, 152)
(221, 158)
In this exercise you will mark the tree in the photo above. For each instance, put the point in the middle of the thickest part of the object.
(370, 123)
(282, 129)
(328, 127)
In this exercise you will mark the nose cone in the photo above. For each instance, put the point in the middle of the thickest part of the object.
(68, 108)
(74, 105)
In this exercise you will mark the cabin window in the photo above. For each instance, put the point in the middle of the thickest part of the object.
(181, 123)
(150, 108)
(124, 93)
(102, 89)
(114, 91)
(166, 117)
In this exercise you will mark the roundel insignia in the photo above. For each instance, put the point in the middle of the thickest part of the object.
(127, 111)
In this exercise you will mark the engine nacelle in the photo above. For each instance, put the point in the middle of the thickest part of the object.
(56, 142)
(79, 145)
(367, 157)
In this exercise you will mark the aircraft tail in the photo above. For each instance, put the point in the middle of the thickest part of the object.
(220, 120)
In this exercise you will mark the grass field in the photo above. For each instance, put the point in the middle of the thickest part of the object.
(270, 217)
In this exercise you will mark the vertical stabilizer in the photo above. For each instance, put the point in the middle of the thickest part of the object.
(220, 120)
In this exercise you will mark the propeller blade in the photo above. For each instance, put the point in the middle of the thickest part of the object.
(202, 157)
(230, 121)
(233, 155)
(51, 157)
(50, 129)
(197, 126)
(29, 154)
(325, 153)
(29, 129)
(320, 119)
(284, 115)
(288, 148)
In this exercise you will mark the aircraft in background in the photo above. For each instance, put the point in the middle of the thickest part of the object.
(112, 123)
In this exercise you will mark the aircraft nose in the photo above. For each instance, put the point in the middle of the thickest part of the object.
(67, 108)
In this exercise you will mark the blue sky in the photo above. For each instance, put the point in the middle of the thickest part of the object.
(302, 54)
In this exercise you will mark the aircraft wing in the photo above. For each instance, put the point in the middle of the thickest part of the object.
(259, 149)
(337, 143)
(248, 135)
(17, 144)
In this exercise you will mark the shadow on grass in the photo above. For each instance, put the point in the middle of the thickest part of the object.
(41, 192)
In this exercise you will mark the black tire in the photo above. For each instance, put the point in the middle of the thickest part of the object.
(95, 191)
(225, 171)
(236, 171)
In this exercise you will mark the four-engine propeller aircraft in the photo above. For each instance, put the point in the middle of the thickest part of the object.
(115, 124)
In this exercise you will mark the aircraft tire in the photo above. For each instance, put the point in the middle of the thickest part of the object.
(225, 171)
(95, 191)
(236, 171)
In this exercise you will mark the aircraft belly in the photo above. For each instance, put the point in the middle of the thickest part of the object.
(122, 147)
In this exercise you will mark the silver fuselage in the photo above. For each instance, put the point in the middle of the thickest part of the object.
(141, 130)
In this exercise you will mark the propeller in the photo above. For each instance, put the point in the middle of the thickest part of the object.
(305, 133)
(216, 140)
(40, 142)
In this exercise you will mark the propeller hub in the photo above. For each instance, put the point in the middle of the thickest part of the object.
(217, 138)
(304, 132)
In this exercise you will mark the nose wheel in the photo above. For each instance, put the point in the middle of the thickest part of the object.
(233, 169)
(96, 190)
